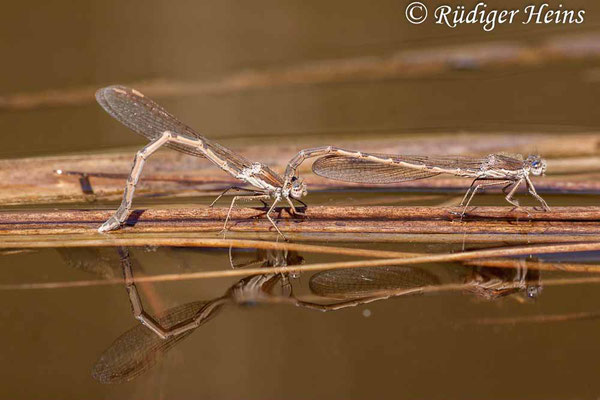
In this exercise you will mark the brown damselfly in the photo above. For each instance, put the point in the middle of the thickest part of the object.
(144, 116)
(507, 170)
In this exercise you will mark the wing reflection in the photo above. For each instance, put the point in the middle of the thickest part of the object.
(100, 261)
(365, 285)
(361, 282)
(140, 348)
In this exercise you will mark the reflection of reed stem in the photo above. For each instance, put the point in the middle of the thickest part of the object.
(544, 318)
(533, 264)
(385, 262)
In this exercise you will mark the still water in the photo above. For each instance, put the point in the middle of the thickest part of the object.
(267, 335)
(491, 334)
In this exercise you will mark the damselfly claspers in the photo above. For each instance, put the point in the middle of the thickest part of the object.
(354, 166)
(144, 116)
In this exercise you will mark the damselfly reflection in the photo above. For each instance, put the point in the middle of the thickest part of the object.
(99, 261)
(506, 170)
(360, 282)
(138, 349)
(141, 347)
(492, 283)
(486, 283)
(144, 116)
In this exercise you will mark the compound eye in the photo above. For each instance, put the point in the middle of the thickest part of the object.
(535, 164)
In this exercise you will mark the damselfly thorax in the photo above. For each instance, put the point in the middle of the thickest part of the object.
(506, 170)
(144, 116)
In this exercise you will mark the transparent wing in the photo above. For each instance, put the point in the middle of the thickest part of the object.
(144, 116)
(473, 165)
(270, 176)
(360, 282)
(445, 164)
(348, 169)
(138, 349)
(506, 161)
(390, 168)
(514, 156)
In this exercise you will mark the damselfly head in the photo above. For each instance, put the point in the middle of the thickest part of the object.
(537, 165)
(298, 188)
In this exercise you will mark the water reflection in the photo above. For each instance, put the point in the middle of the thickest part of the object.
(142, 347)
(99, 261)
(359, 282)
(486, 283)
(492, 283)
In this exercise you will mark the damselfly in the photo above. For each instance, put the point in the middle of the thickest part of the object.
(353, 166)
(144, 116)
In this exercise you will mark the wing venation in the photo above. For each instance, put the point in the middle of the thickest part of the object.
(358, 170)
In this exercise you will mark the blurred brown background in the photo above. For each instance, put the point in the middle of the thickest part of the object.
(70, 45)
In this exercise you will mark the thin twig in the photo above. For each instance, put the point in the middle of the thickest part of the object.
(533, 264)
(247, 244)
(544, 318)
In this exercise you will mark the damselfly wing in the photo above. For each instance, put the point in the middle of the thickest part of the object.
(366, 171)
(147, 118)
(389, 168)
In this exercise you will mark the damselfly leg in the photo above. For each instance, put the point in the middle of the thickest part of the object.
(271, 219)
(532, 191)
(294, 209)
(510, 196)
(260, 197)
(235, 188)
(474, 191)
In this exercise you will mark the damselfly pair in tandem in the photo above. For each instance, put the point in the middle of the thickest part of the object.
(147, 118)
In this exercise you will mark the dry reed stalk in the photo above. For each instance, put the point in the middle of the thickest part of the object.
(168, 173)
(198, 239)
(567, 221)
